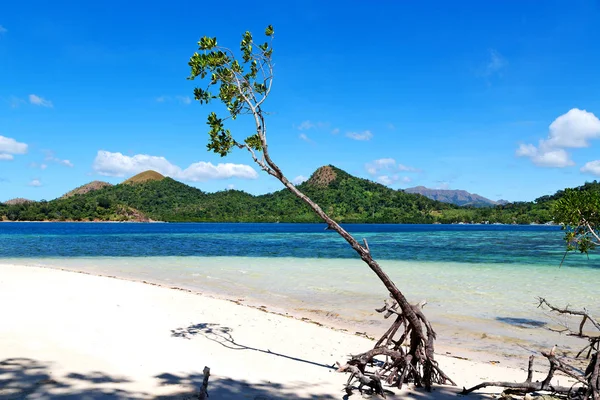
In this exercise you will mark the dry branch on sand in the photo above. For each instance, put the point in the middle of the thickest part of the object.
(587, 382)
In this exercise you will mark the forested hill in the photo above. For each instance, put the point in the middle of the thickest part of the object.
(150, 196)
(351, 199)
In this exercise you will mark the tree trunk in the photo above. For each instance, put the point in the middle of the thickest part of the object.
(417, 364)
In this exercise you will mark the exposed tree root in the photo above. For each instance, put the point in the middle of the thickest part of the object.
(403, 356)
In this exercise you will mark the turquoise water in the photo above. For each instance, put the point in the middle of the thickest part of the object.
(480, 282)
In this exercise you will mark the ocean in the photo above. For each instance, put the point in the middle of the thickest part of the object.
(480, 281)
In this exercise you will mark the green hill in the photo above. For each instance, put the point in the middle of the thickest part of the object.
(144, 177)
(151, 196)
(351, 199)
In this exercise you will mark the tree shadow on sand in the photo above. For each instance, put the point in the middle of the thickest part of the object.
(222, 335)
(230, 389)
(23, 378)
(26, 378)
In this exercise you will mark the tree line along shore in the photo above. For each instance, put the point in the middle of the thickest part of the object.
(150, 196)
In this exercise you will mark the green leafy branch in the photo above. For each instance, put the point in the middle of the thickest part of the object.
(241, 86)
(579, 213)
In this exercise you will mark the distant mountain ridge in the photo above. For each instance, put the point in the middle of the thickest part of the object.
(457, 197)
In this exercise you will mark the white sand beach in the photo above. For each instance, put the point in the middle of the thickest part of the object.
(72, 335)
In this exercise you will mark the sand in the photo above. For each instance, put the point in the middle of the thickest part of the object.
(71, 335)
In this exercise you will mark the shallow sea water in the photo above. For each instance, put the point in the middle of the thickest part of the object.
(480, 283)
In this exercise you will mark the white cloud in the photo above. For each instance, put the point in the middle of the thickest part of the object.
(386, 180)
(495, 64)
(299, 179)
(3, 29)
(553, 158)
(592, 167)
(35, 183)
(185, 100)
(203, 171)
(377, 165)
(65, 163)
(545, 157)
(11, 146)
(526, 150)
(335, 131)
(5, 157)
(365, 135)
(305, 138)
(306, 125)
(230, 187)
(443, 185)
(574, 129)
(36, 165)
(117, 164)
(407, 168)
(52, 158)
(392, 179)
(40, 101)
(387, 164)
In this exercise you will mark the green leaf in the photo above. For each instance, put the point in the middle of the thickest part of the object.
(207, 43)
(254, 142)
(269, 31)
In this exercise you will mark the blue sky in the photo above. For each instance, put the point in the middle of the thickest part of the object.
(499, 98)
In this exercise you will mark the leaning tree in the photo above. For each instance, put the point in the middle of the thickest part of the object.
(578, 211)
(242, 83)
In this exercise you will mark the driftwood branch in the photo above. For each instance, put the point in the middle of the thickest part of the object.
(528, 386)
(587, 383)
(584, 314)
(372, 381)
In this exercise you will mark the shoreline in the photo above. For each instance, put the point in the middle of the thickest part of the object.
(509, 349)
(273, 222)
(500, 334)
(145, 332)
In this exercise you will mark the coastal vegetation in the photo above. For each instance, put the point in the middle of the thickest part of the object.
(348, 199)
